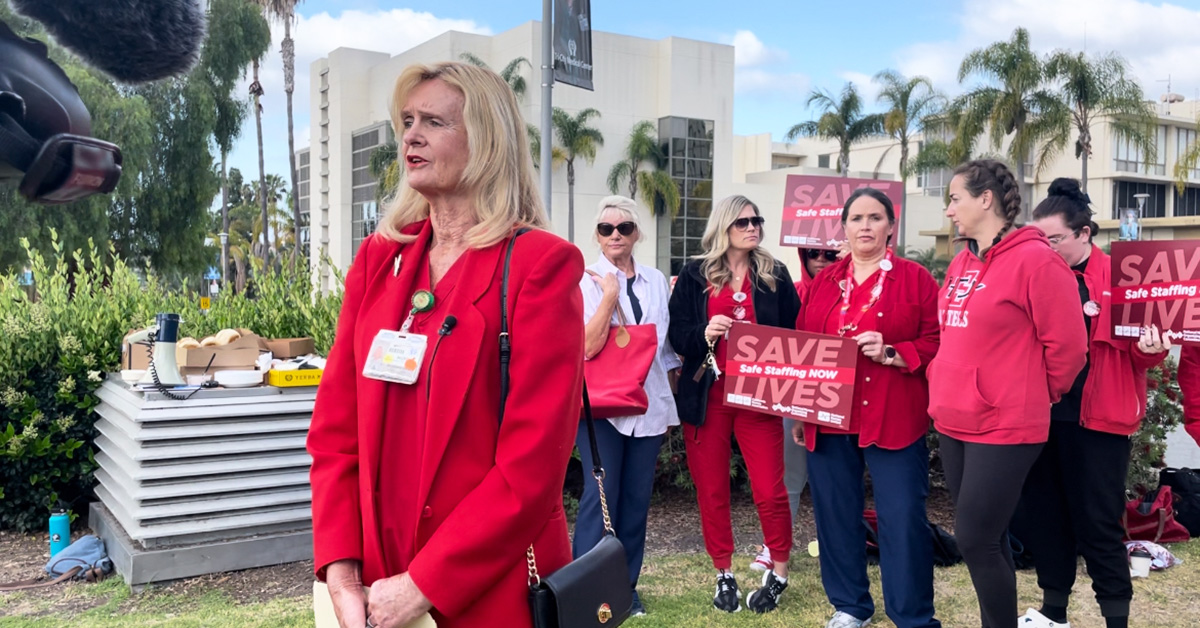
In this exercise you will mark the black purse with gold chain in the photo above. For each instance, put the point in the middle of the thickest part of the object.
(594, 590)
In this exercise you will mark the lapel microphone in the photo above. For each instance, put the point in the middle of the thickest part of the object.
(447, 325)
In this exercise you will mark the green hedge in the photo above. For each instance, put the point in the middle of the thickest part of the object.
(60, 337)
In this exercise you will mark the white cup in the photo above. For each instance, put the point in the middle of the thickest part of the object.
(1140, 565)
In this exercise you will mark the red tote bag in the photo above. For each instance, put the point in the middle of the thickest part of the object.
(616, 377)
(1152, 518)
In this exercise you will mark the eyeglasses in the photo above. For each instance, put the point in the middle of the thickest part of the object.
(1055, 240)
(625, 229)
(815, 253)
(743, 224)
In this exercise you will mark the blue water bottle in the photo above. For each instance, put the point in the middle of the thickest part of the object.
(60, 531)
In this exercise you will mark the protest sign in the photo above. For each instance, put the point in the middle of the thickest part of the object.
(782, 372)
(812, 208)
(1156, 282)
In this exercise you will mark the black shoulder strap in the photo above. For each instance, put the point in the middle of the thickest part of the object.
(505, 342)
(506, 356)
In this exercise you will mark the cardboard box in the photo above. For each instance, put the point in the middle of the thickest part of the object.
(299, 377)
(285, 348)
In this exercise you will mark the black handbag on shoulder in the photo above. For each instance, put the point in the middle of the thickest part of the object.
(594, 590)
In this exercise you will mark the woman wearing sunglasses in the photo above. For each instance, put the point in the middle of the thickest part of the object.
(888, 306)
(733, 280)
(795, 465)
(628, 445)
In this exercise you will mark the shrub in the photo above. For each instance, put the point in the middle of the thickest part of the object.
(57, 345)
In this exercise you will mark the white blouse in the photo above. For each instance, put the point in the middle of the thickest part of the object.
(652, 291)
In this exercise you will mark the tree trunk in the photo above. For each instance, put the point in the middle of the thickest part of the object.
(571, 200)
(224, 222)
(844, 161)
(903, 197)
(632, 181)
(1085, 140)
(289, 86)
(1022, 188)
(262, 176)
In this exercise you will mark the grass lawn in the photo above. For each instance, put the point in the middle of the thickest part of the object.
(677, 590)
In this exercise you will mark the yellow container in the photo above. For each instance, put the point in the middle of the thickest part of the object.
(301, 377)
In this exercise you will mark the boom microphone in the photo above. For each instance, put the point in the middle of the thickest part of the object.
(131, 40)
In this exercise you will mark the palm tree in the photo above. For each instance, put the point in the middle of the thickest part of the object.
(1186, 162)
(1099, 88)
(911, 103)
(841, 120)
(576, 139)
(256, 91)
(511, 72)
(1017, 103)
(285, 11)
(659, 187)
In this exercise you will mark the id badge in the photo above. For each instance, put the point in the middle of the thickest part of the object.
(395, 357)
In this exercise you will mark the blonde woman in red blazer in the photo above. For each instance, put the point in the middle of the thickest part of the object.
(419, 492)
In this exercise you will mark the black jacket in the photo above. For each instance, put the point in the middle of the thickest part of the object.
(689, 317)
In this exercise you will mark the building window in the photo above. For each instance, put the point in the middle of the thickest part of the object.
(1124, 198)
(1188, 203)
(1185, 138)
(1128, 157)
(303, 198)
(689, 144)
(822, 161)
(364, 205)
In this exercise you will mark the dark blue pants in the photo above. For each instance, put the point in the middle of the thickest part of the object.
(628, 483)
(901, 484)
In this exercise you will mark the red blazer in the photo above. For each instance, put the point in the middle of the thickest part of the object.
(484, 496)
(1189, 385)
(890, 403)
(1114, 395)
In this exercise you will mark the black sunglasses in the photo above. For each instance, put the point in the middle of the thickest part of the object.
(625, 229)
(815, 253)
(745, 223)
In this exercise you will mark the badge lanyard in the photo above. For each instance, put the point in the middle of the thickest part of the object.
(397, 356)
(848, 289)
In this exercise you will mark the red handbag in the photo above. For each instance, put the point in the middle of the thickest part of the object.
(616, 377)
(1152, 518)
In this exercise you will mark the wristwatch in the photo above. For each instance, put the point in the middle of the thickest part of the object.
(889, 354)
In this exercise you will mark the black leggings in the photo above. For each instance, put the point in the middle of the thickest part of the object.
(985, 483)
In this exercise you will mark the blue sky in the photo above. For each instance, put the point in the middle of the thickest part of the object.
(783, 49)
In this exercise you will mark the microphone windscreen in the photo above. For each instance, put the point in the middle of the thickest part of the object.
(133, 41)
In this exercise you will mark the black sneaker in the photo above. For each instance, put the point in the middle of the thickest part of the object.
(767, 598)
(727, 597)
(637, 610)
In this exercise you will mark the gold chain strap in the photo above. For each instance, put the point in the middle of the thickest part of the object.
(604, 502)
(534, 578)
(531, 560)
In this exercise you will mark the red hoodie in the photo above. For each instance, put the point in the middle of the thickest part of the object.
(1189, 385)
(1114, 395)
(805, 278)
(1013, 339)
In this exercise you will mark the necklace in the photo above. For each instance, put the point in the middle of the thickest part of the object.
(847, 284)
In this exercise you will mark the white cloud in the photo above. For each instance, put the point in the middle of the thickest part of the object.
(750, 51)
(753, 72)
(1157, 39)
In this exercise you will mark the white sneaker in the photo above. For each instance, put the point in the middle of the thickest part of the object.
(763, 561)
(846, 620)
(1034, 619)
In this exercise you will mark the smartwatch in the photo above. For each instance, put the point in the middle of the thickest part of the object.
(889, 352)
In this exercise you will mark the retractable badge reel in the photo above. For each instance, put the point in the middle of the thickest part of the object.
(396, 356)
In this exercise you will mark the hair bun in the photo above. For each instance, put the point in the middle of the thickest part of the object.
(1064, 186)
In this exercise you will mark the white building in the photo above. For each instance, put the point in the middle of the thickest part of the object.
(684, 86)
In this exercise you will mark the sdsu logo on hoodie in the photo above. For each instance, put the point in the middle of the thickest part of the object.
(1013, 340)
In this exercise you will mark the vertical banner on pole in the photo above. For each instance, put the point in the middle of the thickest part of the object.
(573, 43)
